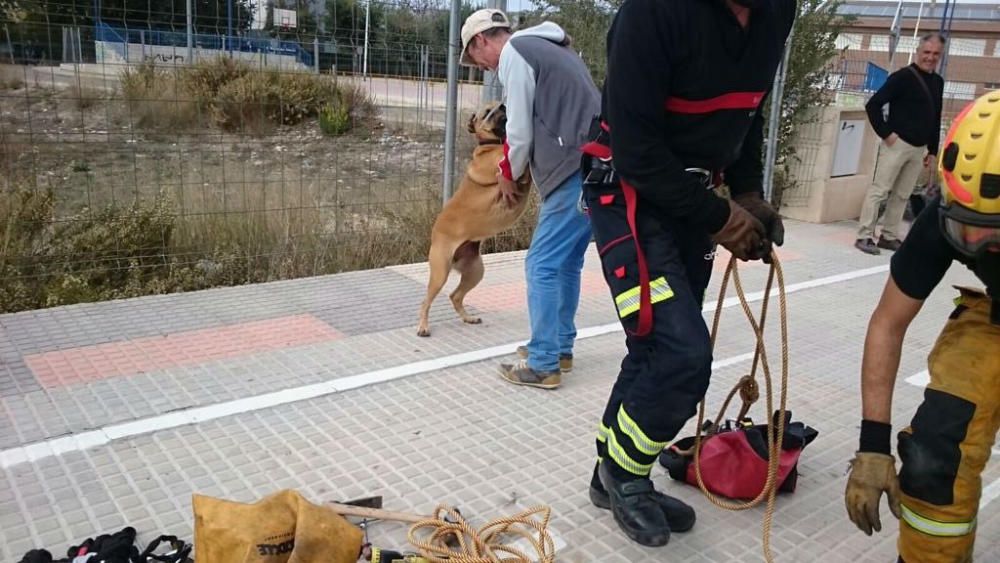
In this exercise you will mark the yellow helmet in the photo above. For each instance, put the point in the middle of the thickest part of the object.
(970, 171)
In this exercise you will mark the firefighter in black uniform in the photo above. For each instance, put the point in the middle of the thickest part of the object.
(681, 109)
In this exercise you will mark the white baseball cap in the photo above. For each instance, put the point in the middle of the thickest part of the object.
(480, 21)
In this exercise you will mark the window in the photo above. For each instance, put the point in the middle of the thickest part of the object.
(996, 48)
(878, 43)
(849, 41)
(907, 44)
(965, 47)
(960, 90)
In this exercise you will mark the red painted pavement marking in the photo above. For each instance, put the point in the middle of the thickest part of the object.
(101, 361)
(511, 296)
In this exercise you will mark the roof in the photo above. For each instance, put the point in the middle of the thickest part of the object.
(961, 12)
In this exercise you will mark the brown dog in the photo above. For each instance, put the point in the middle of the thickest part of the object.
(474, 213)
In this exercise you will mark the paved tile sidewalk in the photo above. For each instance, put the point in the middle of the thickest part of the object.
(451, 432)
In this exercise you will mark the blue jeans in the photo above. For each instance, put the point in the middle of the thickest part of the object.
(552, 269)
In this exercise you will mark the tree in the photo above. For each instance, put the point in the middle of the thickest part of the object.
(586, 22)
(209, 16)
(806, 88)
(345, 20)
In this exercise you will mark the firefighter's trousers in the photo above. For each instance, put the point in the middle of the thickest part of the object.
(948, 442)
(665, 372)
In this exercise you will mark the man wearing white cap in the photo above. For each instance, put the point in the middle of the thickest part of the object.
(550, 100)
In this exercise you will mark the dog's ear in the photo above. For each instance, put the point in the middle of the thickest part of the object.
(472, 123)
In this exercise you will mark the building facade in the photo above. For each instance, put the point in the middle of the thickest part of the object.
(973, 61)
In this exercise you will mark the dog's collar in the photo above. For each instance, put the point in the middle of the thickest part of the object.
(491, 142)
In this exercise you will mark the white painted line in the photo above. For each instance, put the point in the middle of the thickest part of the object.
(81, 441)
(919, 379)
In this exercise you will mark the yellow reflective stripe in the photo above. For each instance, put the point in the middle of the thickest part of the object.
(628, 300)
(639, 438)
(621, 458)
(602, 433)
(935, 527)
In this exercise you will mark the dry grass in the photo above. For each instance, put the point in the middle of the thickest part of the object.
(152, 247)
(12, 77)
(107, 195)
(236, 97)
(85, 97)
(157, 101)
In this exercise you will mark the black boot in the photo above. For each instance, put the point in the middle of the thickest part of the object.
(680, 516)
(635, 509)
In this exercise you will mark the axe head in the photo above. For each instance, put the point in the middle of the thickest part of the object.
(366, 502)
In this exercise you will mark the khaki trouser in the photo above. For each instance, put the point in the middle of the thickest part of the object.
(895, 176)
(945, 448)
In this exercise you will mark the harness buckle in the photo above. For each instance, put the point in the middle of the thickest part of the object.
(705, 176)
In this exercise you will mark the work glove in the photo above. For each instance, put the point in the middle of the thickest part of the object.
(742, 234)
(773, 227)
(871, 475)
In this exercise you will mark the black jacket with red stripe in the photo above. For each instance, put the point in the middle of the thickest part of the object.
(685, 88)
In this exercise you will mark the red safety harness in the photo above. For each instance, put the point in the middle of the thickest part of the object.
(600, 149)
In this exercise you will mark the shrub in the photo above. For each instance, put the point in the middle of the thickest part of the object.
(334, 119)
(154, 99)
(248, 103)
(205, 79)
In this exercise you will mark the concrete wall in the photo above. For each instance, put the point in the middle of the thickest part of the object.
(122, 53)
(818, 197)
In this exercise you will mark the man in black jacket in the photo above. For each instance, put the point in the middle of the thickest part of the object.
(909, 142)
(681, 107)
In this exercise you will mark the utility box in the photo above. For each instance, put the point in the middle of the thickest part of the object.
(847, 154)
(833, 166)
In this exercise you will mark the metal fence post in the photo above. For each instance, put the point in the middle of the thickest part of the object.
(190, 38)
(775, 119)
(10, 46)
(492, 89)
(451, 102)
(316, 53)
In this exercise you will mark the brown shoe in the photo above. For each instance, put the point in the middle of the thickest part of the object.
(867, 246)
(565, 360)
(889, 244)
(521, 374)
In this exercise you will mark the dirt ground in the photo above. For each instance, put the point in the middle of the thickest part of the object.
(85, 145)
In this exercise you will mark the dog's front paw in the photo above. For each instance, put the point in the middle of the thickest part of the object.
(423, 331)
(472, 320)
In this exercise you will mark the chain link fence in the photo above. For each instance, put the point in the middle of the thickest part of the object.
(859, 72)
(169, 146)
(144, 151)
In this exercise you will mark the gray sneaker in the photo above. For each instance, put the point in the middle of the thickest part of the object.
(867, 246)
(521, 374)
(565, 360)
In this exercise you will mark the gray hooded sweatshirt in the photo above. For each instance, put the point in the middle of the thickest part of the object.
(551, 100)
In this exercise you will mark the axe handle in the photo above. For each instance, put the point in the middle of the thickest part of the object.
(375, 513)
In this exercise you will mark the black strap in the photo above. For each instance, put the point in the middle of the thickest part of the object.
(179, 550)
(927, 92)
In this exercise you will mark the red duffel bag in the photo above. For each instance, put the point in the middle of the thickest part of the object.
(734, 460)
